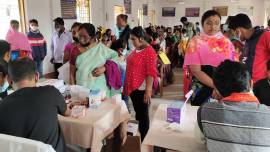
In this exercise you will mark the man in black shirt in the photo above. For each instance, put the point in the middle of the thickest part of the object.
(262, 88)
(31, 112)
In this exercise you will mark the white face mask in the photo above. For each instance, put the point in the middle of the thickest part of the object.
(34, 28)
(124, 52)
(226, 27)
(57, 29)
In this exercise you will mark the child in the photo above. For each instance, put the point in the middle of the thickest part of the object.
(120, 46)
(262, 88)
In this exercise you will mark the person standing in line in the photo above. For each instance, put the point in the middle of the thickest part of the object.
(189, 27)
(60, 38)
(140, 74)
(256, 49)
(123, 29)
(38, 44)
(19, 44)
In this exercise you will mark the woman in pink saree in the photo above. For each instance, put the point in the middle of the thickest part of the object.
(20, 46)
(204, 53)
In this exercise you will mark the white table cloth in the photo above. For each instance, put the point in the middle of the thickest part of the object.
(184, 141)
(96, 125)
(18, 144)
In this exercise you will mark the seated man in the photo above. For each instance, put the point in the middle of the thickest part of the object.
(262, 88)
(238, 122)
(31, 112)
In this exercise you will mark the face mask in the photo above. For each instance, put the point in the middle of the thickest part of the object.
(124, 52)
(57, 29)
(226, 27)
(4, 87)
(85, 44)
(34, 28)
(75, 39)
(239, 36)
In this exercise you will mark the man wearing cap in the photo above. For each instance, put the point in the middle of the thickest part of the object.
(60, 38)
(257, 46)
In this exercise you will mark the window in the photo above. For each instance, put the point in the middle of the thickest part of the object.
(83, 11)
(11, 10)
(140, 17)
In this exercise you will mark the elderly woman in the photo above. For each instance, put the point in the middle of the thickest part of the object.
(205, 52)
(92, 60)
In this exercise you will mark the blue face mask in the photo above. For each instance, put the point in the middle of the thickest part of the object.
(124, 53)
(4, 87)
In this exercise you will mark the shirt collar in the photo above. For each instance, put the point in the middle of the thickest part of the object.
(241, 97)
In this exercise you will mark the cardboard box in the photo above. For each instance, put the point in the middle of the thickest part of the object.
(175, 112)
(132, 144)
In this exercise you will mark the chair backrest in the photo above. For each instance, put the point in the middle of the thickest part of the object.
(236, 127)
(18, 144)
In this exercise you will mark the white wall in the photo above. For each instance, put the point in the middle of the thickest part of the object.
(102, 13)
(257, 18)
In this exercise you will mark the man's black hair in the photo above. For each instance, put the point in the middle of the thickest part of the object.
(59, 20)
(4, 48)
(231, 77)
(240, 20)
(183, 19)
(33, 21)
(22, 69)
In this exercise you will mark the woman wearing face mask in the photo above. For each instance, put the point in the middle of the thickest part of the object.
(70, 46)
(141, 71)
(204, 53)
(38, 45)
(20, 46)
(90, 64)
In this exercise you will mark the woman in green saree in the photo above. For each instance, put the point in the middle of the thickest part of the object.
(90, 63)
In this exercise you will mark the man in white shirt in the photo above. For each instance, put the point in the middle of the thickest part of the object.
(60, 38)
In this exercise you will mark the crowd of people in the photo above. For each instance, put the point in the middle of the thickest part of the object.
(219, 61)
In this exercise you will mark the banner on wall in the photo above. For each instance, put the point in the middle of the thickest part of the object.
(68, 9)
(127, 4)
(168, 11)
(222, 10)
(145, 9)
(192, 12)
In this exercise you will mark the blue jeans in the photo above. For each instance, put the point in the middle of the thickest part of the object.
(39, 66)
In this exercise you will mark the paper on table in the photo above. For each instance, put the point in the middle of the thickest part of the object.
(133, 128)
(64, 73)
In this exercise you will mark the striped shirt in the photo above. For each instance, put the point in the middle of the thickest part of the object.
(235, 126)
